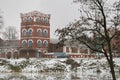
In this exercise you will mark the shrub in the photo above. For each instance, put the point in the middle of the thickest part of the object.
(3, 62)
(59, 67)
(15, 68)
(23, 64)
(73, 63)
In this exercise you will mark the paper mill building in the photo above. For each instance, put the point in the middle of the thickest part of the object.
(35, 34)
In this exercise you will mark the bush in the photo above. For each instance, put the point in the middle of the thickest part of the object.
(59, 67)
(69, 61)
(15, 68)
(3, 62)
(23, 64)
(98, 70)
(73, 63)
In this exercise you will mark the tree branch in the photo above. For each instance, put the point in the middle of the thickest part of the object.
(85, 43)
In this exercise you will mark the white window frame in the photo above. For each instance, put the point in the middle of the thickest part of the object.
(29, 41)
(23, 41)
(44, 42)
(22, 32)
(29, 30)
(40, 41)
(25, 19)
(30, 19)
(38, 30)
(44, 32)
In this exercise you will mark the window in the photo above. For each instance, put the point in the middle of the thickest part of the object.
(45, 33)
(46, 20)
(30, 32)
(45, 43)
(24, 43)
(39, 43)
(39, 31)
(25, 19)
(30, 43)
(30, 19)
(37, 19)
(2, 51)
(42, 19)
(24, 32)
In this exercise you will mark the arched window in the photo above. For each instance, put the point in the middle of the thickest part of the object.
(46, 20)
(37, 19)
(39, 43)
(25, 19)
(45, 32)
(24, 43)
(24, 32)
(39, 32)
(30, 43)
(45, 43)
(42, 19)
(30, 19)
(30, 32)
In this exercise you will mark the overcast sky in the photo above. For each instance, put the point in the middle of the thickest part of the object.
(62, 11)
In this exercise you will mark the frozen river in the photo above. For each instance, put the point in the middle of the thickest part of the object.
(54, 76)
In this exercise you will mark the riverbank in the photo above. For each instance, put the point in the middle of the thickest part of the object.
(68, 68)
(35, 65)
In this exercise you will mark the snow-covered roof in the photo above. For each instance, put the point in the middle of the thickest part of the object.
(54, 41)
(35, 13)
(59, 54)
(10, 43)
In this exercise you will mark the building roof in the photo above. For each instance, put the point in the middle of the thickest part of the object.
(54, 41)
(35, 13)
(59, 54)
(10, 43)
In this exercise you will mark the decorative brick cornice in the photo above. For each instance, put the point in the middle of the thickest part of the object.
(37, 26)
(35, 13)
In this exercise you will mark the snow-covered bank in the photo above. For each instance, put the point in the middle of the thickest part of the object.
(89, 66)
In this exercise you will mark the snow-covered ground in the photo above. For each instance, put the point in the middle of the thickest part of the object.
(64, 69)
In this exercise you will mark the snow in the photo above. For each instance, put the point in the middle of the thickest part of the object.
(85, 71)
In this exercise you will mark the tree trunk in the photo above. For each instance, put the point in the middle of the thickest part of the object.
(112, 69)
(111, 63)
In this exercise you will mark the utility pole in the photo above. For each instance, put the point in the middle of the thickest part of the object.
(97, 25)
(98, 17)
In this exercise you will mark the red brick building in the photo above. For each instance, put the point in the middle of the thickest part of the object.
(35, 34)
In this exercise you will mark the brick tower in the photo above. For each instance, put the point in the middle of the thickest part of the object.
(35, 34)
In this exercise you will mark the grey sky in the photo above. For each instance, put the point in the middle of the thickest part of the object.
(62, 11)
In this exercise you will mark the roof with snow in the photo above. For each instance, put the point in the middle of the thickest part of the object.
(10, 43)
(60, 54)
(35, 13)
(54, 41)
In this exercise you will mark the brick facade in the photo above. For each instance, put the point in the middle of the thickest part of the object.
(35, 34)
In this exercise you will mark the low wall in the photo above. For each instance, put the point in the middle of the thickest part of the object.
(82, 56)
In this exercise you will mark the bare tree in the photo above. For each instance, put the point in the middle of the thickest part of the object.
(1, 19)
(10, 33)
(1, 22)
(98, 25)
